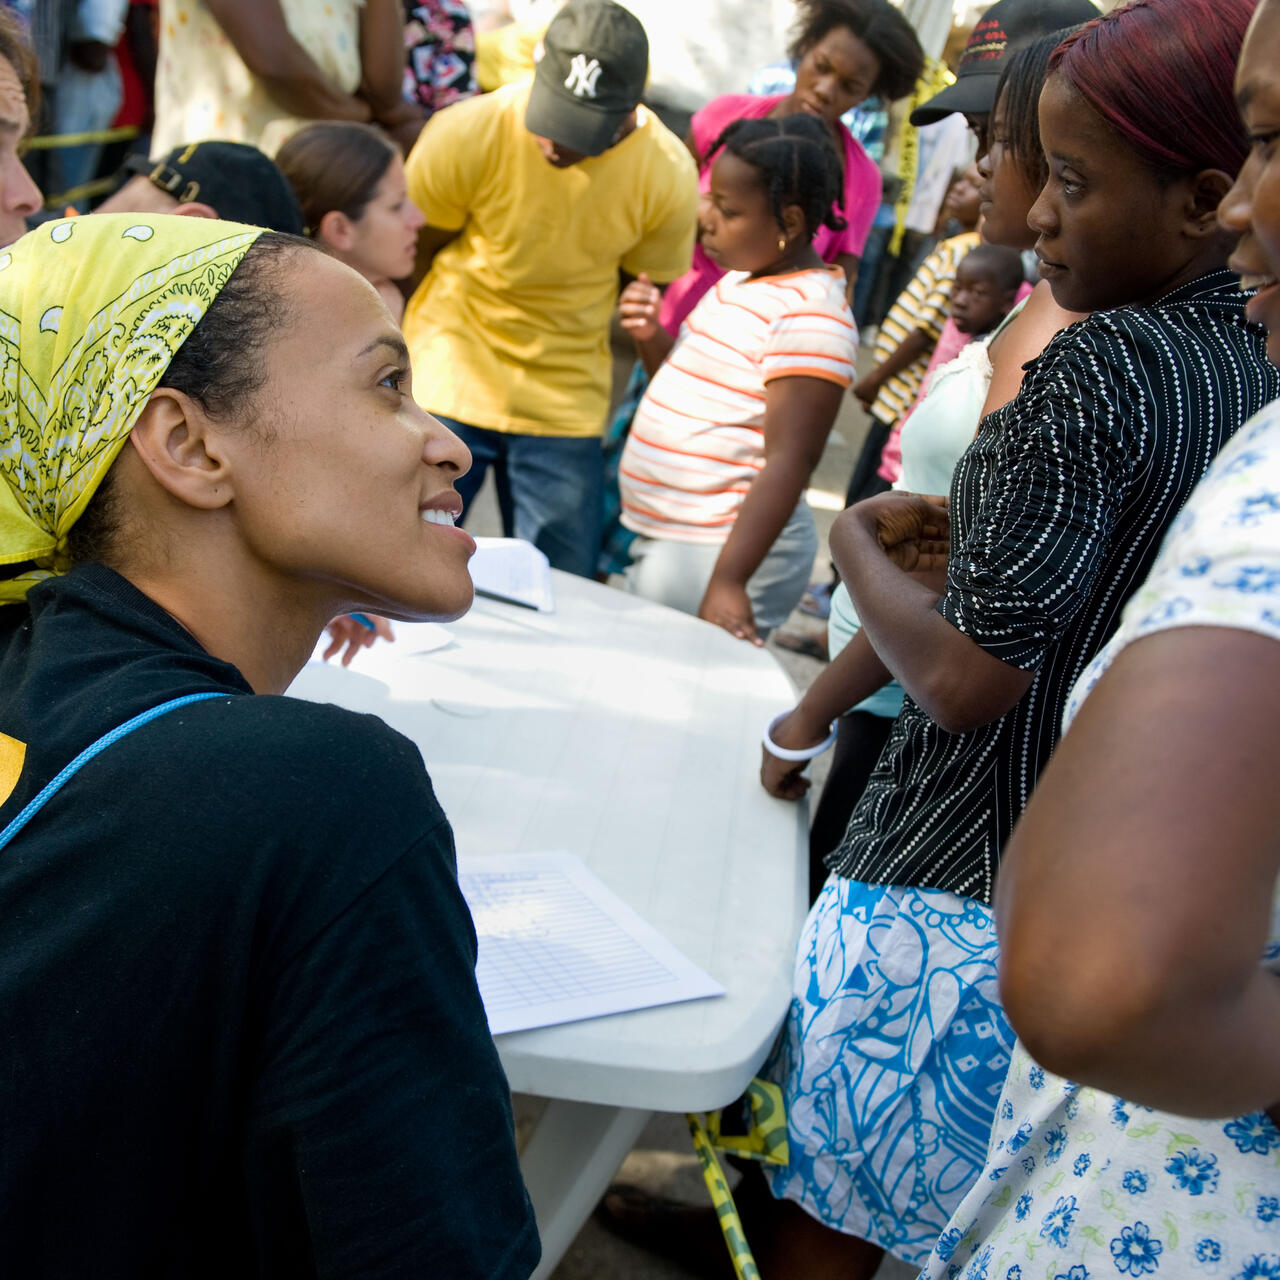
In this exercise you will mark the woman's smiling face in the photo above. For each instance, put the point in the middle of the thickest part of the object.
(345, 491)
(1252, 206)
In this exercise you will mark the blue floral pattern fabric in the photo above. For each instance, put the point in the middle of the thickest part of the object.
(891, 1061)
(1079, 1184)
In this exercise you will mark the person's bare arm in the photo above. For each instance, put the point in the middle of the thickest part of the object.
(382, 62)
(848, 263)
(638, 306)
(956, 682)
(259, 34)
(798, 415)
(1136, 892)
(853, 674)
(382, 55)
(916, 344)
(1026, 336)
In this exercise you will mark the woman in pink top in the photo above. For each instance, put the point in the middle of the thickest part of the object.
(844, 51)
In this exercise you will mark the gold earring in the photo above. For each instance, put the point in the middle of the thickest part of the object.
(782, 243)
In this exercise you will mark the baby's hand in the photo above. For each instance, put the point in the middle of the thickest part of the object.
(638, 308)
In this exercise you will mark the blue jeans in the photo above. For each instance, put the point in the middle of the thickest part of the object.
(549, 490)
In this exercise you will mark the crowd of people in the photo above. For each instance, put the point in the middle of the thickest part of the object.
(253, 394)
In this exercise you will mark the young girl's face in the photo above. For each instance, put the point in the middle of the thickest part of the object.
(836, 73)
(386, 233)
(1110, 232)
(738, 229)
(1005, 193)
(1252, 206)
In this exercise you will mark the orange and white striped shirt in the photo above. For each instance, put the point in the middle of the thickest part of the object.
(697, 440)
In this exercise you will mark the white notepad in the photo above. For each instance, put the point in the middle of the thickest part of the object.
(556, 945)
(513, 570)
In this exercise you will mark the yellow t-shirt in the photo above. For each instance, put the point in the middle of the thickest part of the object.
(510, 328)
(204, 90)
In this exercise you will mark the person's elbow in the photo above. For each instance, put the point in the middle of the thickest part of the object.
(959, 700)
(1073, 1012)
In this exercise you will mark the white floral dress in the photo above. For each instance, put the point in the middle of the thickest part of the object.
(1079, 1184)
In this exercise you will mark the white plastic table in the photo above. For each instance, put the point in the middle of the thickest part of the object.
(629, 735)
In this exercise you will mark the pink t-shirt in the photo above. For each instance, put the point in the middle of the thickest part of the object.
(861, 200)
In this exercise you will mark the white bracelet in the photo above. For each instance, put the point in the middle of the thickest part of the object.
(786, 753)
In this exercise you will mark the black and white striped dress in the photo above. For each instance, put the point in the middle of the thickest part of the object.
(1058, 509)
(895, 1046)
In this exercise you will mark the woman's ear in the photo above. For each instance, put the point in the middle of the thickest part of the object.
(1205, 192)
(177, 444)
(793, 221)
(336, 231)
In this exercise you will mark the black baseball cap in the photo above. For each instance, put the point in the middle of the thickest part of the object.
(1002, 30)
(592, 74)
(236, 180)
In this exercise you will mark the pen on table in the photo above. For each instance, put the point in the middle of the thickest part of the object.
(363, 620)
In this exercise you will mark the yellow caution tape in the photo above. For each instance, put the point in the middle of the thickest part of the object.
(744, 1264)
(766, 1142)
(49, 141)
(935, 78)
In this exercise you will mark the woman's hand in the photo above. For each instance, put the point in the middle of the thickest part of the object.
(354, 636)
(728, 605)
(865, 390)
(638, 308)
(914, 532)
(785, 778)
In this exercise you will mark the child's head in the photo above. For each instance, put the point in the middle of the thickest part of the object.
(350, 182)
(962, 197)
(985, 289)
(773, 184)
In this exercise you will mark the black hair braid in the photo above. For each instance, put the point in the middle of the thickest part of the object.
(1018, 94)
(797, 162)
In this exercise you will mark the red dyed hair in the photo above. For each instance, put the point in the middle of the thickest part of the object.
(1160, 73)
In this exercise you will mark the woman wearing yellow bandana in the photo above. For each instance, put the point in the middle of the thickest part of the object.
(239, 1028)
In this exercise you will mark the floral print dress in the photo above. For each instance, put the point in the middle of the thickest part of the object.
(1081, 1185)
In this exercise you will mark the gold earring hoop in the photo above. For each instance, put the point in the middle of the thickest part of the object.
(782, 243)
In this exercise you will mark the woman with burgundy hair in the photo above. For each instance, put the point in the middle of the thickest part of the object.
(1139, 907)
(986, 608)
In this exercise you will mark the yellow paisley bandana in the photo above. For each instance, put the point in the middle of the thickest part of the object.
(92, 311)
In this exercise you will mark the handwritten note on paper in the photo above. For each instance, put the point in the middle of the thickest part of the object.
(556, 945)
(513, 570)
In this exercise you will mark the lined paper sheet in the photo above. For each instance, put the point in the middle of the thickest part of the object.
(513, 570)
(556, 945)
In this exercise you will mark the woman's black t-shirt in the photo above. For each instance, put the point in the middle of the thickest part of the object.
(239, 1027)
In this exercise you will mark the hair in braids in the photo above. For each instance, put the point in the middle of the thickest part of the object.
(797, 163)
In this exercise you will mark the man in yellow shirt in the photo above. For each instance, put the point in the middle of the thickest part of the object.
(539, 198)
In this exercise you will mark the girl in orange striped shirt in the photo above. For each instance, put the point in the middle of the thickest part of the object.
(740, 404)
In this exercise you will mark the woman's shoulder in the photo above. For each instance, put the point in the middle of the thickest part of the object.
(1126, 347)
(300, 752)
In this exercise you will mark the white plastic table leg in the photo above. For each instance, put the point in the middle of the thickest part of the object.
(567, 1164)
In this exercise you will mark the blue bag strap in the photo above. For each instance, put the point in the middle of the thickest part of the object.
(55, 784)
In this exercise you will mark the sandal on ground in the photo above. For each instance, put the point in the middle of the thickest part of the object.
(808, 646)
(686, 1233)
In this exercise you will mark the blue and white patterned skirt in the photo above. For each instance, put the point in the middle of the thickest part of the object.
(891, 1061)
